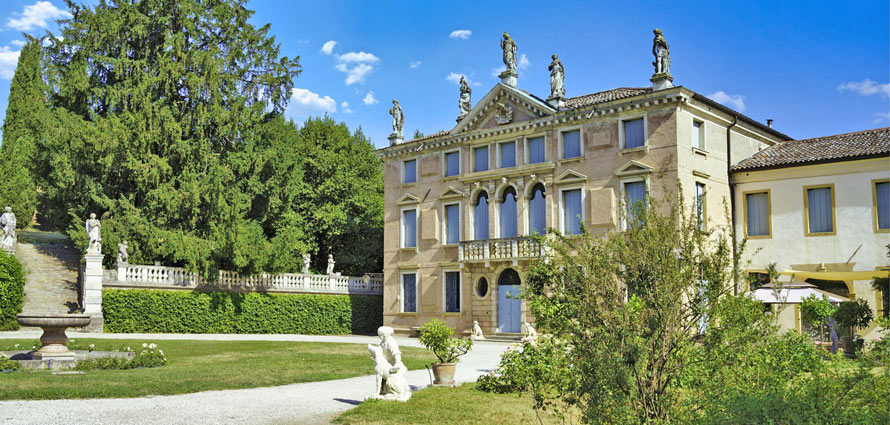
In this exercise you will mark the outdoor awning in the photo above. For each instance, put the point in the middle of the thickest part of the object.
(857, 275)
(793, 293)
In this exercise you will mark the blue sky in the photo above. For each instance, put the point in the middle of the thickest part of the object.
(816, 68)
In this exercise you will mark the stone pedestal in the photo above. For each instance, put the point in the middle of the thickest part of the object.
(54, 342)
(557, 102)
(509, 78)
(395, 139)
(662, 81)
(92, 290)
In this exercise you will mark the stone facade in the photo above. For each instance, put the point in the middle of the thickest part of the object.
(672, 119)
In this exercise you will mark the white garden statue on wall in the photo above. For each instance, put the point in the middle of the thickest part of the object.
(7, 230)
(389, 369)
(94, 226)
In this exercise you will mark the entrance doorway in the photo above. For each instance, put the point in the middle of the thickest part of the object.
(509, 304)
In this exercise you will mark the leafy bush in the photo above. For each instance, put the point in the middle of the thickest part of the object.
(153, 311)
(149, 356)
(7, 365)
(12, 291)
(436, 336)
(815, 311)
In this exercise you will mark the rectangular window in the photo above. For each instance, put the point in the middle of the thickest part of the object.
(508, 154)
(635, 200)
(633, 133)
(452, 223)
(409, 292)
(480, 156)
(757, 214)
(571, 144)
(409, 229)
(698, 135)
(410, 171)
(536, 150)
(452, 292)
(820, 210)
(882, 205)
(700, 205)
(452, 163)
(572, 213)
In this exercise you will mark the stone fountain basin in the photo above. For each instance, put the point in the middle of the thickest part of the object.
(54, 320)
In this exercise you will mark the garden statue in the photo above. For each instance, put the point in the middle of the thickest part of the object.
(530, 331)
(122, 256)
(7, 230)
(330, 270)
(388, 366)
(509, 47)
(662, 54)
(398, 118)
(465, 92)
(557, 78)
(477, 332)
(307, 258)
(93, 226)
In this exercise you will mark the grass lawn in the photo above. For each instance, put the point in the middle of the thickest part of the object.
(462, 405)
(201, 366)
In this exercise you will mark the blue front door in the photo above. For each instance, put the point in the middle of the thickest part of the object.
(509, 310)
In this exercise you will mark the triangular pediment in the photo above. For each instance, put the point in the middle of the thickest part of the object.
(632, 168)
(408, 199)
(570, 176)
(450, 193)
(502, 106)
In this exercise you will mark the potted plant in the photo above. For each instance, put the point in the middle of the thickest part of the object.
(436, 336)
(854, 315)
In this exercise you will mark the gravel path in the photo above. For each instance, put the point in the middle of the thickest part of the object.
(307, 403)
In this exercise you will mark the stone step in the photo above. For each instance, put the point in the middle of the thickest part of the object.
(52, 267)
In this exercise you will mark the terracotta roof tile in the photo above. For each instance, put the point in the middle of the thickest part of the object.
(839, 147)
(605, 96)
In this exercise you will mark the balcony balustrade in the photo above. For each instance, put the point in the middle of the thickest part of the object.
(503, 249)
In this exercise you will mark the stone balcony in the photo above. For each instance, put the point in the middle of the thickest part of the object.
(503, 249)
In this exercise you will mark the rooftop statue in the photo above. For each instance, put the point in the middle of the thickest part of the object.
(7, 230)
(398, 118)
(509, 47)
(662, 54)
(93, 226)
(557, 78)
(465, 91)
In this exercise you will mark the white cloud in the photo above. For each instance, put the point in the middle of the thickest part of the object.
(356, 65)
(370, 99)
(454, 77)
(35, 16)
(328, 47)
(735, 101)
(496, 72)
(866, 87)
(345, 107)
(8, 60)
(304, 102)
(881, 117)
(523, 62)
(18, 43)
(415, 64)
(460, 34)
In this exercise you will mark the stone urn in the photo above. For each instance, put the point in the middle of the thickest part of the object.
(54, 342)
(443, 373)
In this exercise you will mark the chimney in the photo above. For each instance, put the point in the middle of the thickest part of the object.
(769, 122)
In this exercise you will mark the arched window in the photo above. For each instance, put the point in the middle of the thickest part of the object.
(508, 214)
(537, 211)
(480, 217)
(508, 277)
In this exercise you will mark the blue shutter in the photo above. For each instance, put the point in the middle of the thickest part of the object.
(633, 133)
(410, 229)
(481, 155)
(537, 213)
(635, 193)
(480, 218)
(411, 171)
(452, 292)
(572, 215)
(819, 210)
(409, 284)
(452, 223)
(508, 216)
(536, 150)
(882, 193)
(571, 144)
(452, 164)
(757, 205)
(508, 155)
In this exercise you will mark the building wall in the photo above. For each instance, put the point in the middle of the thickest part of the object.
(855, 232)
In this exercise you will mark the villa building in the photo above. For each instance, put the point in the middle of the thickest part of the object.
(460, 205)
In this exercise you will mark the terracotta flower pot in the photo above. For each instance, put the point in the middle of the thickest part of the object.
(443, 373)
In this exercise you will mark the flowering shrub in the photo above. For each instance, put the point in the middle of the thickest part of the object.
(149, 356)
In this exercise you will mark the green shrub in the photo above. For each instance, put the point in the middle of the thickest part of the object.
(12, 291)
(149, 356)
(436, 336)
(7, 365)
(154, 311)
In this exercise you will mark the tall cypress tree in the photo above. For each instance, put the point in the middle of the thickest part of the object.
(23, 126)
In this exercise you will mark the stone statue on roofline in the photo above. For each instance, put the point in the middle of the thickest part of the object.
(557, 78)
(7, 230)
(662, 54)
(464, 103)
(398, 119)
(509, 48)
(93, 227)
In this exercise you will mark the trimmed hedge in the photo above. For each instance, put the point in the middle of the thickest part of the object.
(156, 311)
(12, 291)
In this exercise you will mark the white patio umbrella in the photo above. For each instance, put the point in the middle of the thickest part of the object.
(793, 293)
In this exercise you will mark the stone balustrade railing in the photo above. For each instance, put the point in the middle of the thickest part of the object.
(518, 248)
(163, 277)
